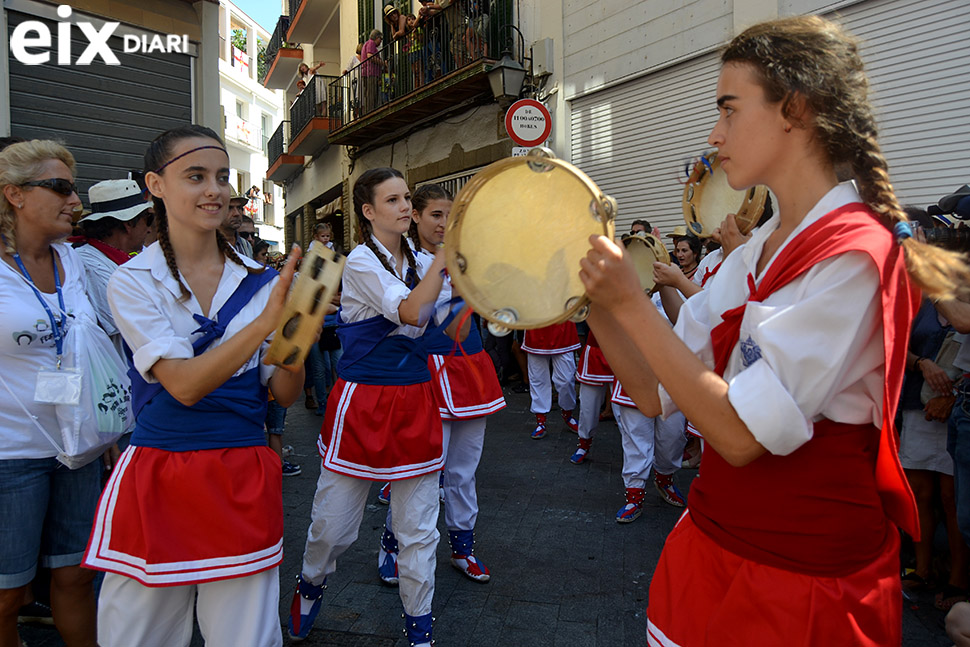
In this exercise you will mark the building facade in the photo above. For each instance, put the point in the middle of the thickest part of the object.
(250, 114)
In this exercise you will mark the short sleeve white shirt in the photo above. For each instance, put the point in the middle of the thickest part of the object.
(158, 324)
(811, 350)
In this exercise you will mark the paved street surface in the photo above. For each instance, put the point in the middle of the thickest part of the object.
(564, 573)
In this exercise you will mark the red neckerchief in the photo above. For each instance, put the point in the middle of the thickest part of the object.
(117, 256)
(708, 273)
(852, 227)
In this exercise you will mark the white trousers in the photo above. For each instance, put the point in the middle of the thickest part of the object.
(591, 400)
(563, 376)
(338, 508)
(649, 441)
(463, 442)
(241, 612)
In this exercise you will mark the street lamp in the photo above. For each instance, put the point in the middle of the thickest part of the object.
(506, 78)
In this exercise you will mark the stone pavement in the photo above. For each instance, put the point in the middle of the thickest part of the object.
(564, 573)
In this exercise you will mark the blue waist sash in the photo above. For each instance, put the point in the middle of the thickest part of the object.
(172, 419)
(436, 342)
(372, 357)
(230, 416)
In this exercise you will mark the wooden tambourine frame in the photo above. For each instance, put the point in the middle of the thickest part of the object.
(516, 234)
(708, 199)
(306, 306)
(644, 250)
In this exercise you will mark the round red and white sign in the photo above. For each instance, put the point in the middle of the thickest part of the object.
(528, 122)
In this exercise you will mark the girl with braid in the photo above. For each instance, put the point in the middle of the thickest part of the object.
(382, 421)
(192, 516)
(467, 391)
(790, 365)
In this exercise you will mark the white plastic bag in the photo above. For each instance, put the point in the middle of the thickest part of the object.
(103, 413)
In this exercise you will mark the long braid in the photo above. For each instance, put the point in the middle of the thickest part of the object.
(230, 252)
(412, 263)
(161, 220)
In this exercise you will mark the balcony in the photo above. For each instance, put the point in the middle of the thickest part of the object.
(240, 130)
(308, 18)
(282, 166)
(440, 68)
(310, 118)
(282, 59)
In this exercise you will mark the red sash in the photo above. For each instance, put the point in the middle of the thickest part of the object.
(708, 273)
(839, 495)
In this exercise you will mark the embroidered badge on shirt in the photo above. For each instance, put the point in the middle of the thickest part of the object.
(750, 352)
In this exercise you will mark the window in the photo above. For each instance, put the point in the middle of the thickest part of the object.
(239, 108)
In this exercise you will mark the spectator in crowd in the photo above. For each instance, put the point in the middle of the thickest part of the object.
(687, 249)
(396, 22)
(248, 231)
(307, 72)
(372, 65)
(322, 235)
(233, 221)
(253, 192)
(47, 508)
(261, 252)
(113, 232)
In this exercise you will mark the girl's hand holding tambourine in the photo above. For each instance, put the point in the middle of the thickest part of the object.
(608, 274)
(270, 317)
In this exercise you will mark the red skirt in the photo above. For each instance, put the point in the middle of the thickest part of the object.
(381, 433)
(593, 368)
(465, 385)
(704, 596)
(174, 518)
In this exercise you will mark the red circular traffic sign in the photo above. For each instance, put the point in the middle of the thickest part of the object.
(528, 122)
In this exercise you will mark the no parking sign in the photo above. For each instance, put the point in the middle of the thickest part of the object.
(528, 122)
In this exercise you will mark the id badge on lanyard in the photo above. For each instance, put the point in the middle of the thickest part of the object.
(61, 385)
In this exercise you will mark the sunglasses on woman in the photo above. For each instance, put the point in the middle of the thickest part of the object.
(57, 185)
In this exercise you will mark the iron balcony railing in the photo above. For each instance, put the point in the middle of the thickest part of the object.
(433, 47)
(311, 103)
(294, 9)
(277, 143)
(276, 41)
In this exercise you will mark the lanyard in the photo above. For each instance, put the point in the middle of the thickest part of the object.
(57, 328)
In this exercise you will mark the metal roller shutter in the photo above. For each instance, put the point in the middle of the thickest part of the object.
(633, 139)
(106, 115)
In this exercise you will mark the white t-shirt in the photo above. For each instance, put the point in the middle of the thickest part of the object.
(26, 347)
(98, 268)
(157, 324)
(811, 350)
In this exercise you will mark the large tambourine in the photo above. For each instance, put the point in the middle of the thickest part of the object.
(516, 234)
(708, 198)
(306, 306)
(644, 250)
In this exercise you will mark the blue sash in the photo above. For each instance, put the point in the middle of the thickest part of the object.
(230, 416)
(372, 357)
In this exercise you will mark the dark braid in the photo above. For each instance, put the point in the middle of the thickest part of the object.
(158, 154)
(161, 224)
(364, 194)
(812, 67)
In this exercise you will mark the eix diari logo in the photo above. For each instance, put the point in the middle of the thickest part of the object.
(35, 35)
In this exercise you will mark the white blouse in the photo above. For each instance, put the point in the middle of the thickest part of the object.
(26, 347)
(811, 350)
(370, 290)
(157, 324)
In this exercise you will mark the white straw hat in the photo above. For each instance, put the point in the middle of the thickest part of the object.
(119, 199)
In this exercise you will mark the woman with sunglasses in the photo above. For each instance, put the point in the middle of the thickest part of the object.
(47, 508)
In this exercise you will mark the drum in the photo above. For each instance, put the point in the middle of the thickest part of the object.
(645, 249)
(708, 199)
(516, 234)
(306, 306)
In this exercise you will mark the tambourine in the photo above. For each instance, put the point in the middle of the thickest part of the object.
(644, 250)
(708, 198)
(515, 236)
(306, 306)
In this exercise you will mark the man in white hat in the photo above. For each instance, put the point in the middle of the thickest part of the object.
(233, 221)
(113, 232)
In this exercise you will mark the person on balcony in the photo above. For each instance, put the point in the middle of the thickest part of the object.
(307, 72)
(370, 69)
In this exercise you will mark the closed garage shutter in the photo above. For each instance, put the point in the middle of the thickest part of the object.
(634, 139)
(919, 70)
(106, 115)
